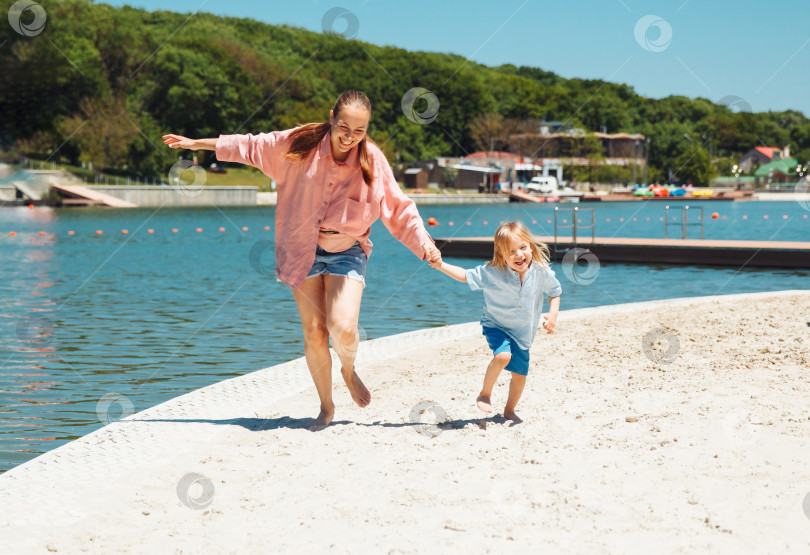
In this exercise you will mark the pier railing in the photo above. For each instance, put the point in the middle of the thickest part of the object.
(575, 224)
(683, 223)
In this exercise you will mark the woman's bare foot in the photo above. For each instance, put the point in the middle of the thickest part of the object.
(360, 393)
(483, 403)
(325, 417)
(510, 415)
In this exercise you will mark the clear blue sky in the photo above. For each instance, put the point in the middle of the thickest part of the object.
(758, 51)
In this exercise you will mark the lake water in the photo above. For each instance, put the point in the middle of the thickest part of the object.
(149, 316)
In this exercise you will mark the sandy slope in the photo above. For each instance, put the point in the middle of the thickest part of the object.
(700, 444)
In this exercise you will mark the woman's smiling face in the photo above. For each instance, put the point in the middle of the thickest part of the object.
(348, 128)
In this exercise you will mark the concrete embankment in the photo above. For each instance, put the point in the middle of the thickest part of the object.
(155, 195)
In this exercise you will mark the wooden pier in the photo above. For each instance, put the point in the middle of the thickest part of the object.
(776, 254)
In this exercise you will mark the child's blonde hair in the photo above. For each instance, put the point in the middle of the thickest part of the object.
(503, 238)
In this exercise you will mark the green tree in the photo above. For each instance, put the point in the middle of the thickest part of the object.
(694, 167)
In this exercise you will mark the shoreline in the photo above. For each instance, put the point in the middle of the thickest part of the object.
(579, 472)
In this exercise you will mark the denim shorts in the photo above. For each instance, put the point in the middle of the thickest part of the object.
(500, 342)
(350, 263)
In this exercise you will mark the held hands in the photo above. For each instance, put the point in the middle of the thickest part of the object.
(178, 141)
(432, 255)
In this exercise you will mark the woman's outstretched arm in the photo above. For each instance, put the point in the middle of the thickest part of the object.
(178, 141)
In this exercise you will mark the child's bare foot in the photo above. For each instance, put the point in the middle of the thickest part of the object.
(360, 393)
(484, 403)
(324, 418)
(510, 415)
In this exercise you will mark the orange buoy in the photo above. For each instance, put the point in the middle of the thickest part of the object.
(745, 217)
(150, 231)
(785, 217)
(804, 217)
(43, 233)
(765, 217)
(244, 229)
(468, 223)
(534, 221)
(725, 217)
(222, 229)
(12, 233)
(71, 232)
(267, 228)
(199, 230)
(607, 219)
(432, 221)
(450, 223)
(647, 218)
(620, 219)
(548, 221)
(715, 215)
(565, 221)
(174, 230)
(30, 206)
(99, 232)
(485, 222)
(124, 231)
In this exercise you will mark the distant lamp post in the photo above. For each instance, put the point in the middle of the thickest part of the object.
(646, 158)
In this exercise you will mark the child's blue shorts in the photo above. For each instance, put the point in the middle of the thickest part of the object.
(500, 342)
(350, 263)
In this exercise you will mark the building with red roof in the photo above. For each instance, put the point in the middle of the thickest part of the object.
(759, 156)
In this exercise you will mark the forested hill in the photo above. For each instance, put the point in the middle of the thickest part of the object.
(105, 83)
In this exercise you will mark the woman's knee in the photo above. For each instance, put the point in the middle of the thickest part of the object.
(345, 335)
(316, 334)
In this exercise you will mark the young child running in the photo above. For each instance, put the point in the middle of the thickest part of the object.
(513, 283)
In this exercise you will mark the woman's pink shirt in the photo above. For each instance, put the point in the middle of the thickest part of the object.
(323, 193)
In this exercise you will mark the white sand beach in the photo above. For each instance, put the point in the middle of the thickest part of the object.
(696, 441)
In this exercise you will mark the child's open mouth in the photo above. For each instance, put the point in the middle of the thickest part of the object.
(344, 143)
(520, 264)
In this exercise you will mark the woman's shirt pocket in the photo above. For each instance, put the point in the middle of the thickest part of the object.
(351, 216)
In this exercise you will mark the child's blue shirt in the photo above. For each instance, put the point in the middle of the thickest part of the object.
(511, 306)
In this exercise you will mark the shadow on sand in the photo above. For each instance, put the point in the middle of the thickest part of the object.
(262, 424)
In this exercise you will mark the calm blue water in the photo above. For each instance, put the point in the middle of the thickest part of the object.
(152, 316)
